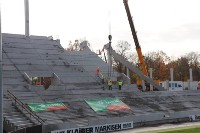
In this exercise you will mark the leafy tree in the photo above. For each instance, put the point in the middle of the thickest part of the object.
(157, 61)
(181, 69)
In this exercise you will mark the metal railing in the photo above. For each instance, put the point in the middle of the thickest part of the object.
(30, 112)
(126, 77)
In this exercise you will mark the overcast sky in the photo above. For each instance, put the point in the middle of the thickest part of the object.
(172, 26)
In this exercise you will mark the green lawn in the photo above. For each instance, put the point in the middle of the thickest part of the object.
(189, 130)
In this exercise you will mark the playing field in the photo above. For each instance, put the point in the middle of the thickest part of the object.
(189, 130)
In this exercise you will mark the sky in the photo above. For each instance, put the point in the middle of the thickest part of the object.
(172, 26)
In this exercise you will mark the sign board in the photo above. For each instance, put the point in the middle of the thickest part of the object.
(98, 128)
(195, 117)
(107, 105)
(48, 106)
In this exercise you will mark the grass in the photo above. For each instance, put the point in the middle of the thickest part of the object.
(189, 130)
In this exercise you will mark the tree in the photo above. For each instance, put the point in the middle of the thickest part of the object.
(122, 48)
(193, 60)
(181, 69)
(157, 61)
(74, 46)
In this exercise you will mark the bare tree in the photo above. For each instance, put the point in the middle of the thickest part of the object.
(122, 48)
(75, 46)
(194, 63)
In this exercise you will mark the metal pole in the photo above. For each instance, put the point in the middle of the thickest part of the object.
(26, 8)
(1, 83)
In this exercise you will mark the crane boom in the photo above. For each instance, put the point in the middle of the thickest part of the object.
(138, 48)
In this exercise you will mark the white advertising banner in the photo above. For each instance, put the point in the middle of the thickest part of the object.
(98, 128)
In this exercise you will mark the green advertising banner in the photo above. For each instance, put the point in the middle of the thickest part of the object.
(48, 106)
(107, 105)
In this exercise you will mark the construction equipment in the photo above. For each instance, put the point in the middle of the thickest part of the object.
(138, 48)
(132, 67)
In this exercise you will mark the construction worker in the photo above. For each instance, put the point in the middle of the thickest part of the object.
(103, 81)
(46, 82)
(34, 80)
(198, 87)
(120, 84)
(109, 84)
(97, 70)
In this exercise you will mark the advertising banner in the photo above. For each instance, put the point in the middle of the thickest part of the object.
(194, 117)
(48, 106)
(107, 105)
(98, 129)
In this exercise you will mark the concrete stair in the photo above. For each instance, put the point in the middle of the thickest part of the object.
(15, 119)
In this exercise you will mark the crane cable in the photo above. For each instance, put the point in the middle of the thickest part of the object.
(109, 51)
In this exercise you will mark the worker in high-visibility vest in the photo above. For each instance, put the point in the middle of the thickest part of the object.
(120, 83)
(109, 84)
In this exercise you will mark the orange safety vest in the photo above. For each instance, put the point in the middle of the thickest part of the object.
(97, 70)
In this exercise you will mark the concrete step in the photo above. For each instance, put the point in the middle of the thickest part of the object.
(23, 125)
(11, 113)
(22, 118)
(15, 118)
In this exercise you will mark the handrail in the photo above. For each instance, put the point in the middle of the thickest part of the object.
(41, 121)
(27, 78)
(126, 77)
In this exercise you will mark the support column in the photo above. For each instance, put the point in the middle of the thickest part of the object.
(143, 86)
(128, 75)
(172, 74)
(151, 87)
(191, 77)
(167, 85)
(1, 82)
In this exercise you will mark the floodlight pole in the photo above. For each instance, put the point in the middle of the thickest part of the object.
(26, 9)
(1, 83)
